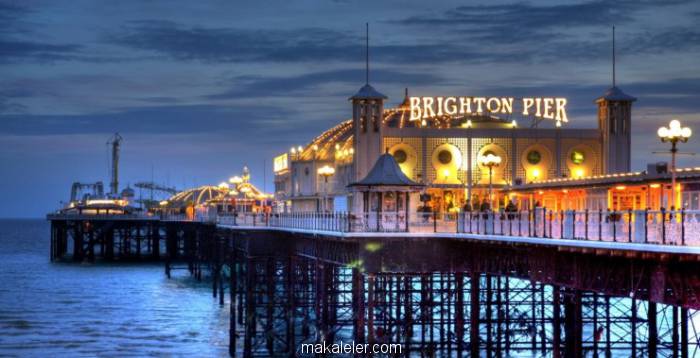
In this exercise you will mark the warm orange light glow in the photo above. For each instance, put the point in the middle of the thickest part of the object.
(579, 173)
(540, 192)
(655, 186)
(620, 187)
(326, 171)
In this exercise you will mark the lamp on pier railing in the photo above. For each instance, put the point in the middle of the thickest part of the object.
(326, 172)
(490, 161)
(674, 134)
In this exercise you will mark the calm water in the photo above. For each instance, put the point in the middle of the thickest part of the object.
(107, 310)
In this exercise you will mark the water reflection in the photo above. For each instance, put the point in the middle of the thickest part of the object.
(283, 302)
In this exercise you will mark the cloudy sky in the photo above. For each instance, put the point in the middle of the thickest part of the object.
(200, 88)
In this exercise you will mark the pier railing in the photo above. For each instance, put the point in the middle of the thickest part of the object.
(677, 227)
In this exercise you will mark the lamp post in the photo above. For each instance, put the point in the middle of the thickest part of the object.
(490, 161)
(674, 134)
(326, 172)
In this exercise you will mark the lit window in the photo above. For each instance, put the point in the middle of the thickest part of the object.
(577, 157)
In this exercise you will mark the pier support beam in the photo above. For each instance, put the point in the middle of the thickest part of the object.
(358, 305)
(573, 324)
(233, 272)
(459, 313)
(474, 315)
(556, 322)
(653, 331)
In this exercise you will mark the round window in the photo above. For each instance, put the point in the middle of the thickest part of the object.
(577, 157)
(400, 156)
(534, 157)
(445, 157)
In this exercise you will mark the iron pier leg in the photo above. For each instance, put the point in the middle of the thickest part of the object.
(572, 324)
(291, 308)
(269, 328)
(232, 304)
(370, 308)
(459, 311)
(474, 315)
(408, 315)
(250, 310)
(608, 343)
(674, 336)
(556, 322)
(634, 326)
(684, 332)
(358, 305)
(653, 332)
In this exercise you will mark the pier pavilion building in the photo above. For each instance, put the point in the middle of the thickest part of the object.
(441, 143)
(237, 196)
(650, 189)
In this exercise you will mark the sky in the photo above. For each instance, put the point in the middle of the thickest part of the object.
(198, 89)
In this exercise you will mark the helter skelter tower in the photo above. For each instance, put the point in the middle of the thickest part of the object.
(367, 116)
(115, 142)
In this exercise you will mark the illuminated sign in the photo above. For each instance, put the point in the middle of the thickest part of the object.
(280, 163)
(542, 107)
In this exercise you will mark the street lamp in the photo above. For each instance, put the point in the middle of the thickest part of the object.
(674, 134)
(490, 161)
(326, 172)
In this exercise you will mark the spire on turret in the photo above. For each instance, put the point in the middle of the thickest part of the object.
(367, 91)
(614, 93)
(406, 100)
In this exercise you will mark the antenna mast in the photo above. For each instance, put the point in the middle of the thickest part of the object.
(367, 52)
(613, 55)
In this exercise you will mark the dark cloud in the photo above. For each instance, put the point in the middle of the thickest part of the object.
(528, 17)
(543, 33)
(314, 45)
(232, 45)
(15, 50)
(680, 95)
(157, 119)
(491, 22)
(261, 86)
(10, 13)
(15, 45)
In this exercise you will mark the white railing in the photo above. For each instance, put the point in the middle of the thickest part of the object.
(636, 226)
(680, 227)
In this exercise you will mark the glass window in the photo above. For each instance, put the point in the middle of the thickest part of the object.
(534, 157)
(400, 156)
(445, 157)
(577, 157)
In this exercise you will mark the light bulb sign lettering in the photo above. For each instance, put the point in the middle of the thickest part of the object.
(280, 163)
(541, 107)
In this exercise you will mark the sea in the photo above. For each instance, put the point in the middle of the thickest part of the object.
(107, 310)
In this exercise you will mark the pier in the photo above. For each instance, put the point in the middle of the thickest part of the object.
(435, 286)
